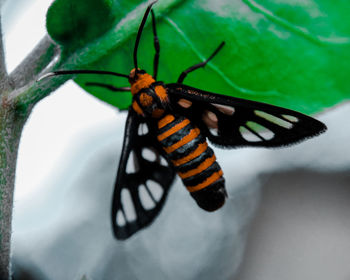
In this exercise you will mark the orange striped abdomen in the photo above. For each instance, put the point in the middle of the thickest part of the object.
(193, 160)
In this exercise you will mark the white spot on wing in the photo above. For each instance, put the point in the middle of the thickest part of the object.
(291, 118)
(248, 135)
(149, 154)
(155, 189)
(146, 199)
(273, 119)
(262, 131)
(214, 131)
(143, 129)
(184, 103)
(128, 205)
(162, 161)
(227, 110)
(131, 165)
(120, 219)
(210, 119)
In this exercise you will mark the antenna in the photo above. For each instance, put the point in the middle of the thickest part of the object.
(69, 72)
(139, 32)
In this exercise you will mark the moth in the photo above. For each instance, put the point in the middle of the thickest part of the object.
(172, 122)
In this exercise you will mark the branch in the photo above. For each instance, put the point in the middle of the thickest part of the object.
(38, 59)
(4, 80)
(26, 91)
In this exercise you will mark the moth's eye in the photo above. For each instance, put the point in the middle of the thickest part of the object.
(132, 74)
(184, 103)
(227, 110)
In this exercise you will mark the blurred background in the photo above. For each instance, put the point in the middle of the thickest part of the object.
(287, 216)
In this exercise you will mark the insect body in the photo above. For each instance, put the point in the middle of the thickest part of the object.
(182, 141)
(179, 120)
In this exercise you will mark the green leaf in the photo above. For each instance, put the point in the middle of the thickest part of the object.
(293, 54)
(75, 23)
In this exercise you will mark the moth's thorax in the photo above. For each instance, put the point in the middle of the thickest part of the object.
(150, 98)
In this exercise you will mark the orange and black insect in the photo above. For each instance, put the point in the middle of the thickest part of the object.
(179, 119)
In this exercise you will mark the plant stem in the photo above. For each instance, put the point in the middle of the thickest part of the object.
(42, 55)
(13, 116)
(11, 125)
(4, 79)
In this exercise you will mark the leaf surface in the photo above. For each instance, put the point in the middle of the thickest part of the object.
(293, 54)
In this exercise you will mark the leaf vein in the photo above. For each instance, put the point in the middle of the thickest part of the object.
(301, 31)
(216, 69)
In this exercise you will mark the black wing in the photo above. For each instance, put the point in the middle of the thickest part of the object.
(143, 180)
(232, 122)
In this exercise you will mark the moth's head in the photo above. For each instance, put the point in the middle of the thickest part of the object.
(133, 76)
(139, 79)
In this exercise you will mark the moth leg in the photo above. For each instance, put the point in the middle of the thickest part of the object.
(110, 87)
(156, 46)
(199, 65)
